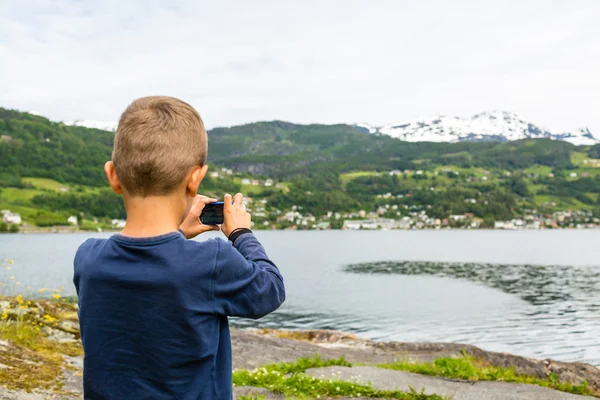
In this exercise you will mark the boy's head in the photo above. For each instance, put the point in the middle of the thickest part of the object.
(160, 147)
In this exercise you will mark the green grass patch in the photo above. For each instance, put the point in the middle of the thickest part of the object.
(45, 183)
(289, 379)
(540, 170)
(577, 157)
(534, 189)
(468, 368)
(593, 196)
(16, 195)
(562, 203)
(347, 177)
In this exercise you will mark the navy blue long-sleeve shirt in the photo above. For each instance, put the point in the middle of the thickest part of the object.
(153, 312)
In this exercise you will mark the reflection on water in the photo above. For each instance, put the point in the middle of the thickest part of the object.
(536, 310)
(536, 284)
(564, 302)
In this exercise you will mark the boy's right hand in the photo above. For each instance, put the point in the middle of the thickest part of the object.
(235, 215)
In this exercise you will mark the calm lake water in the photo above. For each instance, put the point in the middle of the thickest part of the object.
(534, 293)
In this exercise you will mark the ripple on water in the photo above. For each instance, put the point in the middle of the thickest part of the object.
(560, 320)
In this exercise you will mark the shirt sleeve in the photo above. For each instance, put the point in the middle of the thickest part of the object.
(245, 282)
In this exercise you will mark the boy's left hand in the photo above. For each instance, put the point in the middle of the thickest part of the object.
(191, 225)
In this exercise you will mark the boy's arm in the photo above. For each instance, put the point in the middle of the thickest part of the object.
(245, 282)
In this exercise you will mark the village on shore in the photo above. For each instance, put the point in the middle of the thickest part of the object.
(416, 220)
(389, 214)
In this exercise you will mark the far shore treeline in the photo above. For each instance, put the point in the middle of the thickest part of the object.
(308, 176)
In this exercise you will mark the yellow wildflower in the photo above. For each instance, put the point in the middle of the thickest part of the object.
(49, 318)
(42, 290)
(12, 277)
(56, 296)
(11, 262)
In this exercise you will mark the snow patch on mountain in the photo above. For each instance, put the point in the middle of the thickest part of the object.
(369, 128)
(498, 126)
(88, 123)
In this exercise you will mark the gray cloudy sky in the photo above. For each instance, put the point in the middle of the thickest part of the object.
(305, 61)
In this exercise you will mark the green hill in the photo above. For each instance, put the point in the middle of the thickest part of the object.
(49, 170)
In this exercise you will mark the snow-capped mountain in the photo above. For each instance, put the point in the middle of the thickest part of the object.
(499, 126)
(88, 123)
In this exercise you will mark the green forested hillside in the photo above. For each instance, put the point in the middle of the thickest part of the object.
(34, 146)
(285, 149)
(316, 168)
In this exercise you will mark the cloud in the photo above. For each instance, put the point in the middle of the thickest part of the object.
(309, 61)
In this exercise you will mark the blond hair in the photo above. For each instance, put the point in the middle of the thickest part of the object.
(158, 140)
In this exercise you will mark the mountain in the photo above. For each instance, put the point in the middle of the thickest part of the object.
(90, 123)
(495, 126)
(490, 126)
(33, 146)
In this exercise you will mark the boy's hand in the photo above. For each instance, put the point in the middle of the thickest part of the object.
(191, 225)
(234, 215)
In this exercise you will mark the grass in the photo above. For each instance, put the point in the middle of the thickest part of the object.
(28, 369)
(577, 157)
(29, 359)
(540, 170)
(289, 379)
(562, 203)
(467, 368)
(45, 183)
(347, 177)
(11, 195)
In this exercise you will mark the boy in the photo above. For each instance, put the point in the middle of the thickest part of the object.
(153, 306)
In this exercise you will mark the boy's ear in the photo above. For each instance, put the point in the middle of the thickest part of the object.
(198, 173)
(113, 179)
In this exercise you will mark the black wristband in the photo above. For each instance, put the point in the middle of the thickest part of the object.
(237, 233)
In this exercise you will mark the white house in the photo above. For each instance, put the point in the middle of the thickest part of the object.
(269, 182)
(12, 218)
(504, 225)
(72, 220)
(118, 223)
(245, 181)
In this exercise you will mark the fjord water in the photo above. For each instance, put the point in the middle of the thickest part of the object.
(533, 293)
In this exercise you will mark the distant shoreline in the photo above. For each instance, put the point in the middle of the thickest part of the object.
(67, 230)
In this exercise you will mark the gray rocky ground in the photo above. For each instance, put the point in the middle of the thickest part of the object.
(251, 350)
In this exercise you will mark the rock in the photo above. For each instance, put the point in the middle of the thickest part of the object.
(58, 335)
(249, 352)
(385, 379)
(252, 391)
(70, 327)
